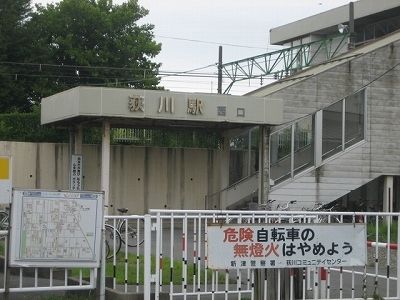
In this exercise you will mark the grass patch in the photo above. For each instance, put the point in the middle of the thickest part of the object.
(133, 262)
(135, 277)
(382, 231)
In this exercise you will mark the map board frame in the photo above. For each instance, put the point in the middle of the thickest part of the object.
(42, 219)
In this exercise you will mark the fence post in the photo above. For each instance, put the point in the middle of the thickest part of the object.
(322, 274)
(101, 272)
(158, 258)
(398, 257)
(147, 257)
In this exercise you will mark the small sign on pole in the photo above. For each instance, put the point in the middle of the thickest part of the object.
(5, 179)
(76, 173)
(244, 246)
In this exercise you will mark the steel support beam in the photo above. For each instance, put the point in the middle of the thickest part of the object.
(282, 62)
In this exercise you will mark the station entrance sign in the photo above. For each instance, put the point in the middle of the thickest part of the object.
(56, 229)
(246, 246)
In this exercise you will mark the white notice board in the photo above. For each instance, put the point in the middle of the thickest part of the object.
(56, 228)
(244, 246)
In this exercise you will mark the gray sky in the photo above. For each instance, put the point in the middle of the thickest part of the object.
(239, 22)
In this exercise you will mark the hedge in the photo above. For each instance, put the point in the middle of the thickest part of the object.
(25, 127)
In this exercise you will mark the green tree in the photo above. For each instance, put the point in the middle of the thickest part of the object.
(86, 42)
(96, 35)
(14, 41)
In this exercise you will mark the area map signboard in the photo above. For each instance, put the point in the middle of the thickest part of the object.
(286, 245)
(56, 229)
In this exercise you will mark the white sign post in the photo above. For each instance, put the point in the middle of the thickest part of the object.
(56, 229)
(240, 246)
(76, 173)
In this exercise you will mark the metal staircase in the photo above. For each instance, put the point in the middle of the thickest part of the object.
(335, 178)
(315, 159)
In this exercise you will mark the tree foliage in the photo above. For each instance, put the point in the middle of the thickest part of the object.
(81, 42)
(14, 47)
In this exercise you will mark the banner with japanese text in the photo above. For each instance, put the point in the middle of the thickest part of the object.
(76, 173)
(286, 245)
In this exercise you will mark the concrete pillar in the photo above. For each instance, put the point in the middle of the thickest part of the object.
(224, 172)
(388, 194)
(105, 165)
(71, 149)
(249, 153)
(318, 139)
(263, 191)
(260, 274)
(263, 164)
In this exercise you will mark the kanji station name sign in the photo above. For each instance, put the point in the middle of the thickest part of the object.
(286, 245)
(95, 102)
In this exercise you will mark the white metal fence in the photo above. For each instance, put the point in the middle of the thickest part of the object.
(164, 254)
(17, 280)
(172, 261)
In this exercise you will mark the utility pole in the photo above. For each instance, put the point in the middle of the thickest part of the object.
(352, 42)
(219, 70)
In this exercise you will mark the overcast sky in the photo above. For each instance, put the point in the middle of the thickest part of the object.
(239, 22)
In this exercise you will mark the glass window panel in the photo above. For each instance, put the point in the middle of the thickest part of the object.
(303, 144)
(354, 128)
(280, 154)
(332, 130)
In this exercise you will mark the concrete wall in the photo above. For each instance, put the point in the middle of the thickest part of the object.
(141, 178)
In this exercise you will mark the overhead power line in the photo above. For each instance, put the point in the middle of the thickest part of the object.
(40, 66)
(38, 70)
(212, 43)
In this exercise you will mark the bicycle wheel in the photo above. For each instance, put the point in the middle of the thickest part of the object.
(4, 220)
(109, 233)
(133, 239)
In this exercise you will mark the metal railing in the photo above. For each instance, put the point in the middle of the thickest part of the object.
(165, 253)
(294, 148)
(173, 259)
(213, 201)
(25, 279)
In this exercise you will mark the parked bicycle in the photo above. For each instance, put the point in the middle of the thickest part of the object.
(124, 231)
(325, 218)
(109, 234)
(4, 218)
(267, 205)
(286, 206)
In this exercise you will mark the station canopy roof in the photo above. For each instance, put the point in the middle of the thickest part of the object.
(156, 108)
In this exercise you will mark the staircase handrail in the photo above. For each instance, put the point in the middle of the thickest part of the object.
(233, 184)
(288, 155)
